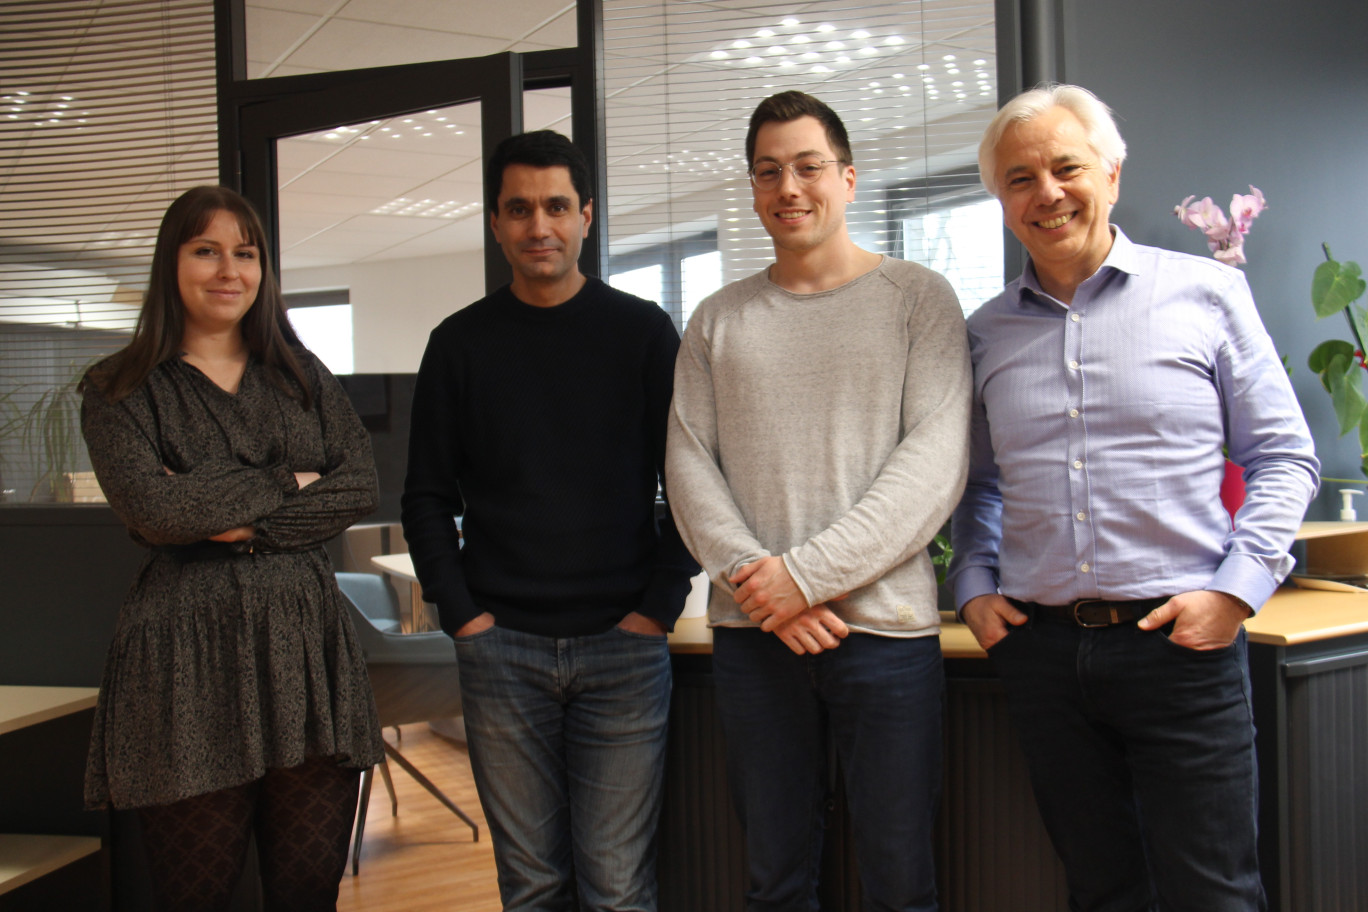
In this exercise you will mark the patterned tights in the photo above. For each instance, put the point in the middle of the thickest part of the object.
(302, 818)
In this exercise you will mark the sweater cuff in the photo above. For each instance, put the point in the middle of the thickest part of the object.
(664, 597)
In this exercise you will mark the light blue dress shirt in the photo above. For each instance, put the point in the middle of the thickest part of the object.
(1096, 460)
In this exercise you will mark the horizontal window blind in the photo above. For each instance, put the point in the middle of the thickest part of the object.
(913, 80)
(107, 113)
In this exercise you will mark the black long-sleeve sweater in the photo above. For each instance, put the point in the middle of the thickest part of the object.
(545, 429)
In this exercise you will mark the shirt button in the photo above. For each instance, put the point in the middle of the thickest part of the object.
(1075, 317)
(1078, 463)
(1082, 516)
(1084, 567)
(1073, 413)
(1073, 365)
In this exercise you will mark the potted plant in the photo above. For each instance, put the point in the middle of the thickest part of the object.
(1335, 288)
(50, 429)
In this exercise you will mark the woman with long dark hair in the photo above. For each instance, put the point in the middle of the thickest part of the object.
(235, 698)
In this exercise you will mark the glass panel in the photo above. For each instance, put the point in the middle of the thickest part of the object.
(963, 242)
(913, 80)
(392, 211)
(289, 37)
(108, 115)
(702, 275)
(645, 282)
(327, 332)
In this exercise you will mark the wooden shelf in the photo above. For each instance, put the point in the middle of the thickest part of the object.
(22, 706)
(25, 858)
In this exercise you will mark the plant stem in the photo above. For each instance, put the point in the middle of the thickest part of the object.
(1348, 310)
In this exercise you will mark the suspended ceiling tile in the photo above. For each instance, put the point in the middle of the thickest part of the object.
(508, 21)
(270, 33)
(347, 44)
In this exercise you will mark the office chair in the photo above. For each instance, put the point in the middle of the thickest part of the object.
(414, 679)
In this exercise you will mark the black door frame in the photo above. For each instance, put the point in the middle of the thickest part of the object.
(254, 113)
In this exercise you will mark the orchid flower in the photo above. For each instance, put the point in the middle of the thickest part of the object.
(1225, 236)
(1245, 209)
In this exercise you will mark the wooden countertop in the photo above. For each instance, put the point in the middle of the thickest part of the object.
(1295, 615)
(692, 637)
(22, 706)
(25, 858)
(1290, 617)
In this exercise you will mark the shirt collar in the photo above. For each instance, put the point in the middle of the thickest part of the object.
(1123, 257)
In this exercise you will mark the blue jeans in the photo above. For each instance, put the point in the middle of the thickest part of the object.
(567, 744)
(879, 700)
(1142, 759)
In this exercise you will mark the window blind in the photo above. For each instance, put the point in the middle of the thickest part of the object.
(107, 113)
(913, 80)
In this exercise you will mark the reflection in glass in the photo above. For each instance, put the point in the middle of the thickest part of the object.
(327, 332)
(702, 275)
(645, 282)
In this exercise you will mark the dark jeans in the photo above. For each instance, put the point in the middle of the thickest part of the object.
(1142, 758)
(567, 744)
(881, 700)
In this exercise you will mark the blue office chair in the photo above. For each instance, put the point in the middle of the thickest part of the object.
(414, 679)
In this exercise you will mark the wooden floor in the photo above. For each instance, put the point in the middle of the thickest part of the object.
(423, 859)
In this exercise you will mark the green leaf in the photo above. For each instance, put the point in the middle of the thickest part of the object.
(1363, 438)
(1335, 286)
(1346, 392)
(1322, 354)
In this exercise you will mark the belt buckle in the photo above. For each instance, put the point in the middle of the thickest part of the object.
(1078, 619)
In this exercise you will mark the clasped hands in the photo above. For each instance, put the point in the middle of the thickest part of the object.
(766, 592)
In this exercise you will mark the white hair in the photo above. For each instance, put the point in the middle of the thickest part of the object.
(1099, 125)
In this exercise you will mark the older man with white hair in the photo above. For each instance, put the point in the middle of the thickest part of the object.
(1093, 558)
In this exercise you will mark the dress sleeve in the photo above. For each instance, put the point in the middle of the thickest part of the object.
(159, 507)
(348, 489)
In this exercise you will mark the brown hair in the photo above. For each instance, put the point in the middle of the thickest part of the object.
(161, 324)
(789, 106)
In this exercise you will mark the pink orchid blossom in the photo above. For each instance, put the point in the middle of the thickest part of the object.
(1245, 209)
(1225, 236)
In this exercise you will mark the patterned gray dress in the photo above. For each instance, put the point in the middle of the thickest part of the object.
(228, 659)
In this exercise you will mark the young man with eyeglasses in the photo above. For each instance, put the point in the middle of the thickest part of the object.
(818, 440)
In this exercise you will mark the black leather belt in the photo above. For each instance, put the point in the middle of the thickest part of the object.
(1094, 612)
(208, 550)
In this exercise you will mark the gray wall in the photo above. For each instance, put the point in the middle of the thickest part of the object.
(1214, 95)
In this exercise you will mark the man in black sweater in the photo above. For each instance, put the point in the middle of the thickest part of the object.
(539, 417)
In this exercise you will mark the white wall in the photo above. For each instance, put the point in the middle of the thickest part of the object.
(396, 303)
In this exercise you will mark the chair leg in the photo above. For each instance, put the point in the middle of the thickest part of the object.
(389, 786)
(361, 804)
(427, 784)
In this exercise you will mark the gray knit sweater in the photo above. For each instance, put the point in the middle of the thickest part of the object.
(830, 428)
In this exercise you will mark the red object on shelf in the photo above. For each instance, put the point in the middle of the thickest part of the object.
(1232, 489)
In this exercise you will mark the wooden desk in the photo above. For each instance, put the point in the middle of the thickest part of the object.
(401, 565)
(1309, 675)
(21, 707)
(26, 857)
